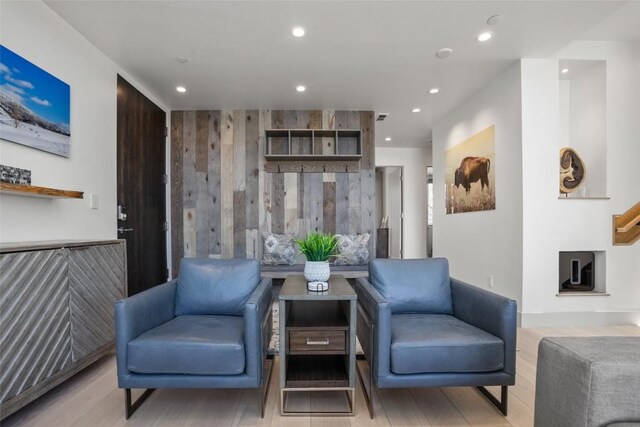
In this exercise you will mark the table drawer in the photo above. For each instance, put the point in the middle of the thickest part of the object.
(318, 341)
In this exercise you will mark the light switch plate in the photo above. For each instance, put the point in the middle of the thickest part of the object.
(94, 201)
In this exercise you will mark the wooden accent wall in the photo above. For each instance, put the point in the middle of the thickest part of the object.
(223, 194)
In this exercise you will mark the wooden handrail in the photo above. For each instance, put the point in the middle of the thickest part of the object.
(626, 227)
(628, 219)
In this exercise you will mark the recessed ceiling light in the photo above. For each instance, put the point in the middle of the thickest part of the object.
(298, 31)
(301, 88)
(181, 59)
(434, 90)
(181, 89)
(388, 139)
(564, 70)
(483, 37)
(415, 110)
(444, 53)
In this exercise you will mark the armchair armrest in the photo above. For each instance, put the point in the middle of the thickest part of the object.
(378, 311)
(255, 310)
(490, 312)
(138, 314)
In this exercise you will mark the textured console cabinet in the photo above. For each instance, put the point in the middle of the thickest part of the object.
(56, 313)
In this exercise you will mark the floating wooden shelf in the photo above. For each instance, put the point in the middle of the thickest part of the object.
(34, 191)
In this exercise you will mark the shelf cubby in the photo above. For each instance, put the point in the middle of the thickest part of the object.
(313, 144)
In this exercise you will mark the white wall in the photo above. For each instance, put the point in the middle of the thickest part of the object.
(393, 184)
(415, 162)
(479, 244)
(583, 119)
(34, 31)
(551, 225)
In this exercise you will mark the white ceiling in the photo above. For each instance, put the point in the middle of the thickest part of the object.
(356, 55)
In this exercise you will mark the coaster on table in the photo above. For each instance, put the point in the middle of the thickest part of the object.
(318, 286)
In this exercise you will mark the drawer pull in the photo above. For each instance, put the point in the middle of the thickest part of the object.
(318, 342)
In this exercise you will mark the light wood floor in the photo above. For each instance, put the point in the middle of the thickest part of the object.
(92, 399)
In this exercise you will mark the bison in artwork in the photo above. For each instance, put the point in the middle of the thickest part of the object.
(473, 169)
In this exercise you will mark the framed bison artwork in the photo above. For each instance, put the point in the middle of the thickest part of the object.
(470, 173)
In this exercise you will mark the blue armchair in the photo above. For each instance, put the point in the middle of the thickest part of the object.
(210, 328)
(420, 328)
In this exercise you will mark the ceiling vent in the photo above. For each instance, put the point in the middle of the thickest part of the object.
(381, 116)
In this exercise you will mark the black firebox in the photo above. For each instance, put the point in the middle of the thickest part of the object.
(577, 271)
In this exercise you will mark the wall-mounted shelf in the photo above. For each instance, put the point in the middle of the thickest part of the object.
(583, 294)
(584, 198)
(321, 157)
(34, 191)
(313, 144)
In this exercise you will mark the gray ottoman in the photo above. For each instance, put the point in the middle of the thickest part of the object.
(591, 381)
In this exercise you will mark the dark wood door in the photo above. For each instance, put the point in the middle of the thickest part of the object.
(141, 187)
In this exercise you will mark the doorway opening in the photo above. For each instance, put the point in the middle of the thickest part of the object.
(390, 212)
(429, 211)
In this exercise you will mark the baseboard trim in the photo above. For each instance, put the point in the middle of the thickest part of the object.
(581, 318)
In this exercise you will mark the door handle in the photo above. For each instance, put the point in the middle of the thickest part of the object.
(122, 229)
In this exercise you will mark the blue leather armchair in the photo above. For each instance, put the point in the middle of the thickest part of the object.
(420, 328)
(210, 328)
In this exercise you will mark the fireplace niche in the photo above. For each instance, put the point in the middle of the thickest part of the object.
(581, 272)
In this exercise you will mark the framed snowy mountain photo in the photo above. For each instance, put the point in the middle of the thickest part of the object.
(35, 106)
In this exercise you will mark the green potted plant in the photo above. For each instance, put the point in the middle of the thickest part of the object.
(317, 247)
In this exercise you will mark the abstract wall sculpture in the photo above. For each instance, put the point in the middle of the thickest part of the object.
(572, 171)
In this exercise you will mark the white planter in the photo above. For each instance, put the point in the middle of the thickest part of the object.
(317, 271)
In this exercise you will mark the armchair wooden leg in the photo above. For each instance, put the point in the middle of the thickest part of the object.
(129, 408)
(263, 390)
(500, 404)
(367, 393)
(365, 322)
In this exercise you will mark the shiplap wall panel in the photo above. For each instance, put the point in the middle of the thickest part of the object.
(226, 183)
(239, 224)
(213, 180)
(252, 170)
(239, 152)
(264, 202)
(368, 193)
(277, 203)
(177, 226)
(355, 203)
(342, 203)
(329, 207)
(221, 208)
(202, 185)
(189, 160)
(189, 186)
(368, 143)
(316, 196)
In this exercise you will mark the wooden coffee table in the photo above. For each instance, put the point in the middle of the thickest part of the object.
(317, 341)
